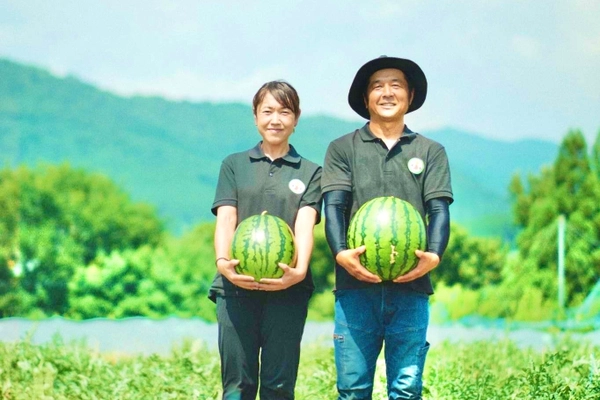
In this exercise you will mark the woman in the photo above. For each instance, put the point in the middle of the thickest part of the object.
(265, 319)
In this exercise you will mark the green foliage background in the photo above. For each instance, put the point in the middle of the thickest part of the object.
(104, 203)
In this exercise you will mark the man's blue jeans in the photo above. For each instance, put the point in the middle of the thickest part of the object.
(364, 320)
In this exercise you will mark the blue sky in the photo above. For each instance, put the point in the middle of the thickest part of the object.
(501, 69)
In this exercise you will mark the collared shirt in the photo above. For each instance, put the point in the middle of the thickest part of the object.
(415, 169)
(253, 183)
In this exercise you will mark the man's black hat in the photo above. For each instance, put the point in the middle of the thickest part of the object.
(413, 73)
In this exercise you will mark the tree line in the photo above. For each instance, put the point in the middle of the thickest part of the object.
(73, 243)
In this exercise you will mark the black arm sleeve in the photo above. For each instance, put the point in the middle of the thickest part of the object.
(438, 229)
(337, 214)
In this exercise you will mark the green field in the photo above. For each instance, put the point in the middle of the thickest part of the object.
(479, 370)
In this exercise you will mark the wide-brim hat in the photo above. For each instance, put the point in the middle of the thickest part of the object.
(414, 74)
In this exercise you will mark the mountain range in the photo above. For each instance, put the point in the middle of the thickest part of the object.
(168, 153)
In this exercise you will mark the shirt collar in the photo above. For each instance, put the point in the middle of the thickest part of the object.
(367, 136)
(291, 157)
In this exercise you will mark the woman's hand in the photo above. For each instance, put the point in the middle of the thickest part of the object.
(227, 269)
(290, 277)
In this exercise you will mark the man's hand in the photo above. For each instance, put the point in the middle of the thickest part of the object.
(227, 269)
(290, 277)
(349, 260)
(427, 262)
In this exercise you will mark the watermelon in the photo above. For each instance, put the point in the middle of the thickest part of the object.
(391, 229)
(260, 243)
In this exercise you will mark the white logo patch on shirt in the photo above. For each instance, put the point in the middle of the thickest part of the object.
(297, 186)
(416, 165)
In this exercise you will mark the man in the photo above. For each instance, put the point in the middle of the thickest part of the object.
(384, 158)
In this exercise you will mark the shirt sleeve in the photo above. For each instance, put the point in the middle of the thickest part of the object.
(437, 177)
(312, 196)
(226, 193)
(337, 173)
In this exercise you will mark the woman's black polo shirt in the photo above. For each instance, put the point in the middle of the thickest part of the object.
(253, 183)
(416, 169)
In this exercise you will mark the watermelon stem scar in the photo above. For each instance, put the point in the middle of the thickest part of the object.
(393, 255)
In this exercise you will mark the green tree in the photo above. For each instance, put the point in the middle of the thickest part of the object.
(571, 188)
(192, 257)
(125, 283)
(472, 262)
(322, 263)
(55, 219)
(8, 226)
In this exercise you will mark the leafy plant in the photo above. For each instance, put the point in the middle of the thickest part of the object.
(454, 370)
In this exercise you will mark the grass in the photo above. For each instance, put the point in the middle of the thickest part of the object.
(479, 370)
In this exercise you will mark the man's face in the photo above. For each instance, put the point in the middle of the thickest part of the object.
(388, 97)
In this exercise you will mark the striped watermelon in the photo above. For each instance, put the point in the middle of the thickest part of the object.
(261, 242)
(391, 229)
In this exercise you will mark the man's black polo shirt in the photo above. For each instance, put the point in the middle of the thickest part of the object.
(416, 169)
(253, 183)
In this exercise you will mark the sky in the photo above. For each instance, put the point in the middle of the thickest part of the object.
(505, 70)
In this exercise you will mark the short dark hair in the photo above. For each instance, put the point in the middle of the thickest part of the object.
(282, 91)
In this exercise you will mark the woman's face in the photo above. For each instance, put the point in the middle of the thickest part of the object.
(274, 121)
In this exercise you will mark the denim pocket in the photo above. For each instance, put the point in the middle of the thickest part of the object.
(424, 350)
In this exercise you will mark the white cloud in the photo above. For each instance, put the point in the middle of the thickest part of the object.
(187, 84)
